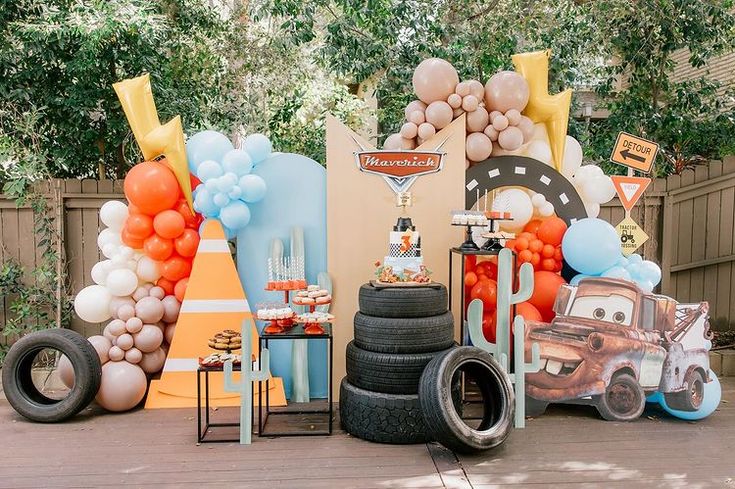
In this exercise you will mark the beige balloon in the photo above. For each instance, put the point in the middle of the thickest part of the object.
(123, 386)
(526, 127)
(409, 130)
(477, 120)
(462, 89)
(491, 132)
(494, 114)
(478, 146)
(514, 117)
(393, 142)
(470, 103)
(414, 106)
(439, 114)
(66, 371)
(454, 101)
(506, 90)
(477, 89)
(417, 117)
(458, 112)
(500, 122)
(426, 130)
(434, 79)
(153, 362)
(511, 138)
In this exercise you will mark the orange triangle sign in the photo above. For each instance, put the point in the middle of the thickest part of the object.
(630, 189)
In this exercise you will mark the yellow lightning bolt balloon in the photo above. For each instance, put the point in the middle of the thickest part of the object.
(154, 139)
(552, 110)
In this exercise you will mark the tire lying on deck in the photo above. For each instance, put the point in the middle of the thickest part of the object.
(404, 335)
(382, 418)
(390, 373)
(403, 302)
(443, 422)
(23, 395)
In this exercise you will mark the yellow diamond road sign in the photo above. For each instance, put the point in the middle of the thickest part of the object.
(631, 236)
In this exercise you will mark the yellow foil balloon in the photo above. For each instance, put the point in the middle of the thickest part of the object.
(552, 110)
(154, 139)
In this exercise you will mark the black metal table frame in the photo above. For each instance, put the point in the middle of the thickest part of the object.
(296, 333)
(202, 433)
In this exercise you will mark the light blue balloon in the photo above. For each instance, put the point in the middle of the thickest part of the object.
(235, 192)
(253, 188)
(258, 147)
(208, 170)
(221, 200)
(237, 161)
(236, 215)
(635, 259)
(226, 182)
(645, 285)
(575, 280)
(206, 145)
(616, 272)
(650, 271)
(591, 246)
(211, 185)
(712, 398)
(203, 202)
(622, 262)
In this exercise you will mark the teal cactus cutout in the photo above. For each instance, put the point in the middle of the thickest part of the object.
(500, 350)
(247, 377)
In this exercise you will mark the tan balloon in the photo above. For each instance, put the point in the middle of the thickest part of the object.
(393, 142)
(527, 128)
(414, 106)
(477, 89)
(123, 386)
(458, 112)
(153, 362)
(478, 146)
(500, 122)
(470, 103)
(434, 79)
(514, 117)
(133, 356)
(426, 130)
(168, 333)
(511, 138)
(439, 114)
(506, 90)
(102, 346)
(66, 371)
(454, 101)
(116, 354)
(124, 342)
(408, 143)
(477, 120)
(409, 130)
(417, 117)
(462, 89)
(149, 338)
(491, 132)
(494, 114)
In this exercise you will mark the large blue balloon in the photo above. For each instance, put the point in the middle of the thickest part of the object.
(258, 147)
(712, 398)
(236, 215)
(238, 162)
(591, 246)
(206, 145)
(253, 188)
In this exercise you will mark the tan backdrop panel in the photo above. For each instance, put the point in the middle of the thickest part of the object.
(361, 211)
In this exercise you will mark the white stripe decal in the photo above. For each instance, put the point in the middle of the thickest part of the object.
(213, 246)
(493, 173)
(214, 305)
(181, 364)
(472, 185)
(520, 170)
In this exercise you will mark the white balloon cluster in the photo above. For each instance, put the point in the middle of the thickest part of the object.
(143, 316)
(594, 187)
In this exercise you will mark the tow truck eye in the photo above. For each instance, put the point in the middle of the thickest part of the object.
(619, 317)
(599, 313)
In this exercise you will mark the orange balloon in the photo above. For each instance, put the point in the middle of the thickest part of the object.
(169, 224)
(192, 220)
(552, 230)
(180, 289)
(525, 256)
(168, 286)
(528, 312)
(532, 226)
(548, 264)
(489, 330)
(130, 240)
(469, 263)
(470, 279)
(536, 245)
(511, 243)
(158, 248)
(535, 260)
(151, 187)
(558, 256)
(139, 226)
(545, 287)
(522, 244)
(186, 245)
(487, 292)
(548, 251)
(487, 268)
(176, 268)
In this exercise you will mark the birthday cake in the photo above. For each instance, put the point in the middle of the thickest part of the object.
(404, 262)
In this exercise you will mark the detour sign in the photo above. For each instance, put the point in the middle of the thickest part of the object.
(634, 152)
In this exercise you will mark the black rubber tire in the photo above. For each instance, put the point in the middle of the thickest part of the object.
(691, 398)
(390, 373)
(23, 395)
(623, 400)
(443, 422)
(404, 335)
(403, 302)
(382, 418)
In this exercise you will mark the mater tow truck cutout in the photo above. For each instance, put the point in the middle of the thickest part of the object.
(611, 344)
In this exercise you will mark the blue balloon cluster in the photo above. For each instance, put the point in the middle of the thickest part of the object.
(711, 399)
(228, 185)
(592, 247)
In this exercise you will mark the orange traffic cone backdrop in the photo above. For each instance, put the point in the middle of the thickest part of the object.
(214, 301)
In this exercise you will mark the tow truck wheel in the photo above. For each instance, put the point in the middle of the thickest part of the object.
(623, 399)
(690, 399)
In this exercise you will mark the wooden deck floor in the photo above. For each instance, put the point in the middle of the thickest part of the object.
(567, 447)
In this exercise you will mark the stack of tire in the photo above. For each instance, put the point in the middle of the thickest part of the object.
(398, 331)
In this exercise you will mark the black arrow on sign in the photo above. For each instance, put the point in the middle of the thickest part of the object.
(627, 154)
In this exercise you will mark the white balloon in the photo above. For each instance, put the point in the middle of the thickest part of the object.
(110, 249)
(148, 269)
(593, 209)
(539, 150)
(113, 214)
(538, 200)
(598, 189)
(108, 236)
(546, 209)
(122, 282)
(572, 157)
(92, 304)
(99, 272)
(518, 203)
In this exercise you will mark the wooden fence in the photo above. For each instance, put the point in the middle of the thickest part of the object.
(689, 219)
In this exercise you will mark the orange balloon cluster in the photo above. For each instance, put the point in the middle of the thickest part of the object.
(540, 244)
(161, 223)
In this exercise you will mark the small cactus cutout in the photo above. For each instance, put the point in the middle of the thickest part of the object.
(500, 350)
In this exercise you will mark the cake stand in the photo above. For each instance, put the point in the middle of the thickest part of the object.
(279, 325)
(313, 328)
(285, 286)
(469, 243)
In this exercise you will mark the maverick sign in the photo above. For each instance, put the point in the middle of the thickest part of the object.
(399, 168)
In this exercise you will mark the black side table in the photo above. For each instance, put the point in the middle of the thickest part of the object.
(295, 333)
(464, 339)
(204, 430)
